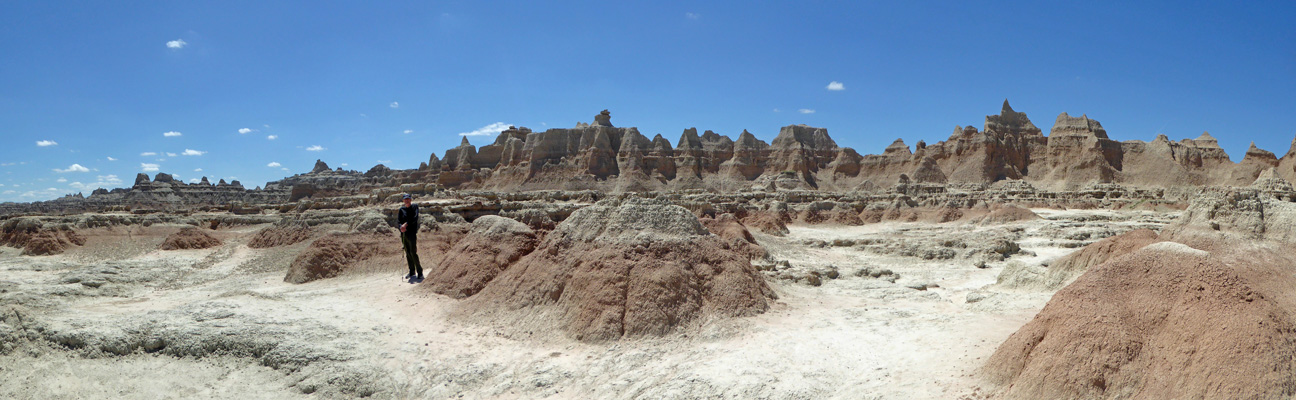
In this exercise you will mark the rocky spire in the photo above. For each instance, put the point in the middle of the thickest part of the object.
(604, 118)
(320, 166)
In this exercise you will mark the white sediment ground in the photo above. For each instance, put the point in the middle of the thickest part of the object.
(116, 320)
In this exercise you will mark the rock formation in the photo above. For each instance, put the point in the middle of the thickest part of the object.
(1076, 155)
(491, 246)
(189, 239)
(629, 268)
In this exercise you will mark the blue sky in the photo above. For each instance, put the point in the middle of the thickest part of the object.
(356, 84)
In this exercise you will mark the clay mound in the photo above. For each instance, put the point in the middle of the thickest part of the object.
(333, 254)
(37, 238)
(727, 227)
(1061, 272)
(1167, 321)
(188, 239)
(1007, 214)
(766, 222)
(634, 268)
(491, 245)
(276, 236)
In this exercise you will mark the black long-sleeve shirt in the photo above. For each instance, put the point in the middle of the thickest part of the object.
(409, 216)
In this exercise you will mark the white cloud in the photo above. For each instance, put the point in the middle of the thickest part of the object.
(272, 137)
(73, 168)
(171, 134)
(169, 154)
(194, 180)
(315, 148)
(102, 181)
(492, 129)
(409, 131)
(777, 110)
(394, 105)
(191, 152)
(806, 111)
(273, 164)
(146, 167)
(835, 86)
(197, 169)
(284, 168)
(112, 159)
(61, 180)
(692, 15)
(244, 131)
(46, 143)
(177, 44)
(344, 164)
(148, 154)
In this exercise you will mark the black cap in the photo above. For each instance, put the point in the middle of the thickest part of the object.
(407, 196)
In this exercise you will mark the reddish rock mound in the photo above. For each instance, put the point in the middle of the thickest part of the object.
(633, 268)
(768, 223)
(491, 245)
(1008, 213)
(279, 235)
(330, 255)
(1061, 272)
(727, 227)
(36, 238)
(1166, 321)
(188, 239)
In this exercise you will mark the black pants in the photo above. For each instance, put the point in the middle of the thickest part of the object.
(410, 241)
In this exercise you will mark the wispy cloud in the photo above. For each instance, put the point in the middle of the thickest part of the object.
(170, 154)
(273, 164)
(394, 105)
(777, 110)
(46, 143)
(171, 134)
(315, 148)
(244, 131)
(690, 15)
(492, 129)
(177, 44)
(272, 137)
(72, 168)
(61, 180)
(194, 180)
(146, 167)
(197, 169)
(835, 86)
(806, 111)
(148, 154)
(409, 131)
(192, 152)
(111, 159)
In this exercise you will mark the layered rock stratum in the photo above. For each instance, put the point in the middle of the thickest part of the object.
(1076, 155)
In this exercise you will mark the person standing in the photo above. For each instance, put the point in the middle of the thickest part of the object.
(407, 217)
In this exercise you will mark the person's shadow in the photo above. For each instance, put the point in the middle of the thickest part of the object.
(415, 279)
